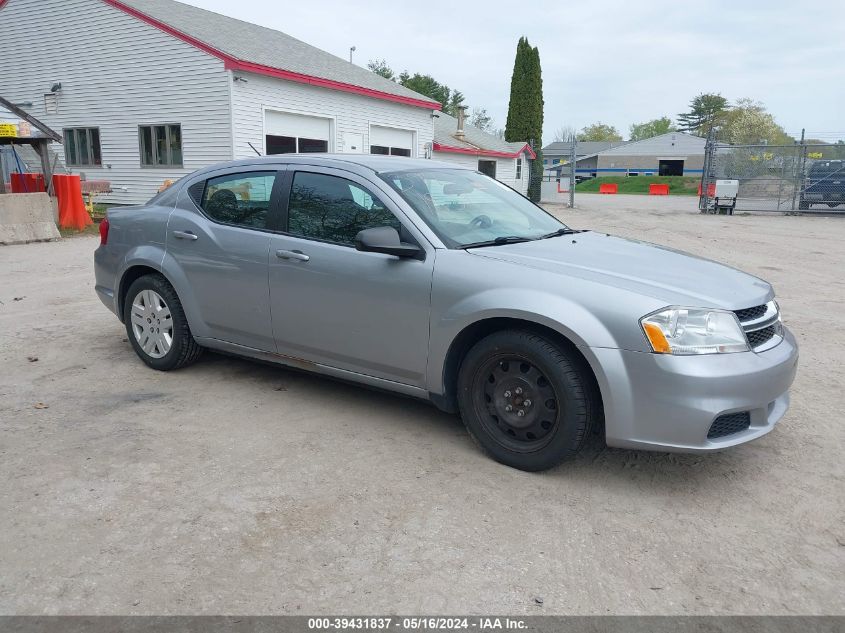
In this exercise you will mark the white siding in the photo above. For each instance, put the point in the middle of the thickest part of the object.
(350, 113)
(505, 167)
(117, 73)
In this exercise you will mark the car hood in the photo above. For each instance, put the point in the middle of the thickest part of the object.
(672, 277)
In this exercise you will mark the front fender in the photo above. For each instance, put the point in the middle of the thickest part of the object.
(556, 312)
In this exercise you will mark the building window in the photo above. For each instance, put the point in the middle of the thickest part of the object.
(82, 146)
(519, 169)
(389, 151)
(555, 161)
(161, 145)
(292, 145)
(487, 167)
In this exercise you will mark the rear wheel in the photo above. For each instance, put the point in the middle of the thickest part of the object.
(803, 205)
(527, 402)
(156, 324)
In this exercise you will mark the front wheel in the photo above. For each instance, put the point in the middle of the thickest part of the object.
(526, 401)
(156, 324)
(803, 205)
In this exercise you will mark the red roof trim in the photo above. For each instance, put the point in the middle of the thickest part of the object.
(438, 147)
(288, 75)
(232, 63)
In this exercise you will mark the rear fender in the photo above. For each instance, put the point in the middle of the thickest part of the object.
(154, 256)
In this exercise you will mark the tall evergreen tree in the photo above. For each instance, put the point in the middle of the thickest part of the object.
(706, 110)
(525, 109)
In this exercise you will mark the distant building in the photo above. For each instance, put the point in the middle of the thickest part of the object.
(670, 154)
(559, 152)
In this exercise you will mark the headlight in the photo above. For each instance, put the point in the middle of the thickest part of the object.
(686, 331)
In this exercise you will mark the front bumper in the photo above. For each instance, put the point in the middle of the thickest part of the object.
(668, 403)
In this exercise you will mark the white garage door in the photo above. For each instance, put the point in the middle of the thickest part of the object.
(391, 140)
(288, 133)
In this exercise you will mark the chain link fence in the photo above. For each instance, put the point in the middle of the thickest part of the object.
(807, 176)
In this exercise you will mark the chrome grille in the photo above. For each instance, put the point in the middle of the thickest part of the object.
(759, 337)
(749, 314)
(761, 325)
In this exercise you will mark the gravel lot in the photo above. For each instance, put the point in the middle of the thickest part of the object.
(235, 487)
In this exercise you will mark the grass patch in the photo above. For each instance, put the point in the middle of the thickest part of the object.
(678, 185)
(93, 229)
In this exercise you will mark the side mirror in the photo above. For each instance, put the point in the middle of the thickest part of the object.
(385, 239)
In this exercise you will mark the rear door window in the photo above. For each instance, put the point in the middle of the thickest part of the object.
(241, 199)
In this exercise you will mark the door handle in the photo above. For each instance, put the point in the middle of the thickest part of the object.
(296, 255)
(184, 235)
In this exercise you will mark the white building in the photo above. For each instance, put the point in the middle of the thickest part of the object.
(149, 90)
(467, 145)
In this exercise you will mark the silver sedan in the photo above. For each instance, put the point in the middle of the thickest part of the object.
(438, 282)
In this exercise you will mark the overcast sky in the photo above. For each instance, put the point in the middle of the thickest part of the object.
(612, 61)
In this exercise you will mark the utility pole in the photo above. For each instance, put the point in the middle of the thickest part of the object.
(798, 170)
(708, 172)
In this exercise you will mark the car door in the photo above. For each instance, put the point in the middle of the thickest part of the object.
(337, 306)
(219, 237)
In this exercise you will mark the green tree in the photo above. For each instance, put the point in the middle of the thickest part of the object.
(650, 129)
(706, 111)
(455, 102)
(748, 123)
(525, 108)
(427, 85)
(380, 67)
(450, 100)
(599, 132)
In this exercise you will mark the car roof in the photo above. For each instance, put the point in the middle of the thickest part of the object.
(373, 162)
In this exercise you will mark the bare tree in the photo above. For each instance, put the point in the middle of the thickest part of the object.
(480, 119)
(565, 133)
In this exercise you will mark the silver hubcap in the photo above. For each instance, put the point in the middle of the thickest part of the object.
(152, 323)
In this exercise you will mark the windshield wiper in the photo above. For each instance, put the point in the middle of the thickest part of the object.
(559, 232)
(505, 239)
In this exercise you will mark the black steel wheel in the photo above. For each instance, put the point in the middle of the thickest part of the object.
(515, 402)
(528, 402)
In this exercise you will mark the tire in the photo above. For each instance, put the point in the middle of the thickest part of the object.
(162, 343)
(558, 399)
(803, 206)
(832, 204)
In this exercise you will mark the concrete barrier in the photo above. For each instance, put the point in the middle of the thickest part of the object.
(26, 217)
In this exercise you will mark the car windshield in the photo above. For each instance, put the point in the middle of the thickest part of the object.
(466, 208)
